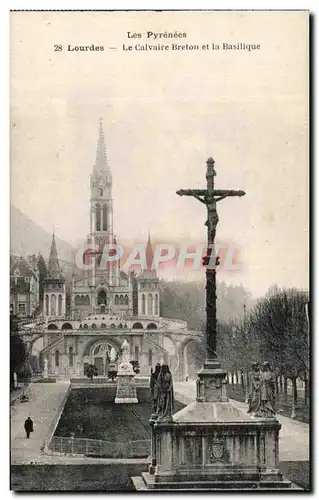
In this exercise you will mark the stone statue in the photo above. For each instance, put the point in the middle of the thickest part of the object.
(268, 391)
(154, 386)
(125, 352)
(165, 396)
(113, 354)
(254, 390)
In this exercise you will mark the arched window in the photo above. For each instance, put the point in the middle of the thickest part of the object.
(52, 326)
(47, 305)
(126, 300)
(98, 217)
(122, 302)
(137, 326)
(104, 218)
(103, 325)
(60, 305)
(53, 305)
(156, 305)
(67, 326)
(136, 353)
(87, 300)
(143, 303)
(117, 300)
(150, 357)
(77, 300)
(70, 356)
(151, 326)
(150, 304)
(93, 326)
(101, 298)
(101, 191)
(57, 358)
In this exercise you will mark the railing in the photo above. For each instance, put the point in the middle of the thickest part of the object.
(98, 448)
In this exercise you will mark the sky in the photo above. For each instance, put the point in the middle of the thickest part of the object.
(164, 114)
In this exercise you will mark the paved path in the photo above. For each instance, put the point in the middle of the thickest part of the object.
(293, 436)
(42, 407)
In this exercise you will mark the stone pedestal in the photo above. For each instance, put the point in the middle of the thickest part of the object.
(213, 445)
(126, 389)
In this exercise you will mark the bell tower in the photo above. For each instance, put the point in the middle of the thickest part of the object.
(101, 216)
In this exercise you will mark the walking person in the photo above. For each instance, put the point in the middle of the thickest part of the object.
(28, 426)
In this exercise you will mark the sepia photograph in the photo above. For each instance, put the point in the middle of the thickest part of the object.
(159, 251)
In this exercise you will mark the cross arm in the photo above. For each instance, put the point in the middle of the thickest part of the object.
(192, 192)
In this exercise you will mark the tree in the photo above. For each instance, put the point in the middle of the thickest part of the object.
(280, 322)
(91, 371)
(17, 349)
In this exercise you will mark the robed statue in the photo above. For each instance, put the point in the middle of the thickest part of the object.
(268, 391)
(165, 397)
(154, 386)
(254, 389)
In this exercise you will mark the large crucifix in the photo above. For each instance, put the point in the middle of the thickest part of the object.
(210, 197)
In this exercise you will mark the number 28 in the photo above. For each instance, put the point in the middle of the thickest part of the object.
(58, 48)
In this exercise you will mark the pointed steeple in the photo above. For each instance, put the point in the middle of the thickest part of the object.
(149, 253)
(101, 158)
(54, 270)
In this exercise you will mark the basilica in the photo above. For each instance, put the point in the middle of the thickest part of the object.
(104, 305)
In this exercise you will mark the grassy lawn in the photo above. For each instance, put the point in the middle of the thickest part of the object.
(93, 411)
(283, 405)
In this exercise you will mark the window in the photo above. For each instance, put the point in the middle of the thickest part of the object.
(70, 356)
(101, 191)
(136, 353)
(53, 305)
(21, 308)
(150, 357)
(104, 218)
(47, 305)
(57, 358)
(156, 305)
(150, 304)
(117, 300)
(98, 217)
(60, 305)
(143, 303)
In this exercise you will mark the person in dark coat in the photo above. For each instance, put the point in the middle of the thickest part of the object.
(28, 426)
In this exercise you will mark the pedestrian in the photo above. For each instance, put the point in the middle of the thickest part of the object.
(28, 426)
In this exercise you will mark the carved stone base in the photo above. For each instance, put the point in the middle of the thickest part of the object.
(126, 389)
(211, 444)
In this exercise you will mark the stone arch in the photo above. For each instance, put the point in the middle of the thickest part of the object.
(91, 345)
(67, 326)
(137, 326)
(52, 326)
(122, 300)
(117, 300)
(182, 353)
(126, 300)
(151, 326)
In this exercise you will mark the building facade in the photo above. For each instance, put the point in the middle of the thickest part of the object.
(107, 306)
(24, 286)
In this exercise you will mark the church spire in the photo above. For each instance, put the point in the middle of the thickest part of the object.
(149, 253)
(54, 270)
(101, 158)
